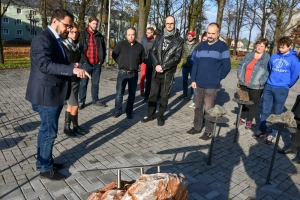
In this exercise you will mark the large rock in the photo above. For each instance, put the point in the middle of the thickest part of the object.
(284, 119)
(243, 95)
(160, 186)
(217, 111)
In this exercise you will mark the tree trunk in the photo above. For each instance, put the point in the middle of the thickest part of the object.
(221, 6)
(1, 45)
(144, 8)
(81, 22)
(195, 11)
(99, 13)
(105, 16)
(44, 13)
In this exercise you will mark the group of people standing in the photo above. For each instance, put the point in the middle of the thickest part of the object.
(61, 69)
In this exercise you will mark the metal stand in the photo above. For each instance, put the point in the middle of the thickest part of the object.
(215, 120)
(237, 123)
(279, 128)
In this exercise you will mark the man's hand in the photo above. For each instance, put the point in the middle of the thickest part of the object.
(194, 85)
(159, 69)
(81, 73)
(75, 65)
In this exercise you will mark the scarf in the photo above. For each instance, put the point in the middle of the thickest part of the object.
(71, 45)
(149, 38)
(168, 34)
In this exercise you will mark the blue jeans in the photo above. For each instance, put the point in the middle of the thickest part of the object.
(122, 80)
(185, 76)
(47, 134)
(272, 96)
(94, 70)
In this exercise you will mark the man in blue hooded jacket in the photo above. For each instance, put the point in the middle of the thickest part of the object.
(284, 69)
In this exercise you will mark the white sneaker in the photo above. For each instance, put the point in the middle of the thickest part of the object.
(192, 105)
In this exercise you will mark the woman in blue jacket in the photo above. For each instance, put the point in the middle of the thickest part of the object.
(253, 74)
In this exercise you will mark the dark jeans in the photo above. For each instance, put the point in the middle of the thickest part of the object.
(272, 96)
(204, 100)
(254, 95)
(122, 80)
(185, 77)
(95, 71)
(47, 134)
(149, 71)
(161, 82)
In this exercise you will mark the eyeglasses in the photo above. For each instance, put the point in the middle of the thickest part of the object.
(74, 32)
(170, 24)
(66, 25)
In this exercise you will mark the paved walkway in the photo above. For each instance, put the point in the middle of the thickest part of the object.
(238, 170)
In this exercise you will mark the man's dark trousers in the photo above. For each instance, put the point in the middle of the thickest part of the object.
(94, 70)
(122, 80)
(149, 71)
(160, 82)
(47, 134)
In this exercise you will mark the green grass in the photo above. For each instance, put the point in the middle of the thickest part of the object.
(13, 62)
(235, 62)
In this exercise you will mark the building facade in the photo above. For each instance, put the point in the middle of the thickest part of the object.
(20, 23)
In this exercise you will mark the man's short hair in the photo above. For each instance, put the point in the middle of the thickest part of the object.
(132, 28)
(285, 40)
(151, 29)
(262, 41)
(60, 14)
(93, 19)
(215, 24)
(172, 17)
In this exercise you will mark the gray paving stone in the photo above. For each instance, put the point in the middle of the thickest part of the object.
(10, 190)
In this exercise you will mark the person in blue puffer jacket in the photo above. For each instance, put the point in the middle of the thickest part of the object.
(253, 74)
(284, 69)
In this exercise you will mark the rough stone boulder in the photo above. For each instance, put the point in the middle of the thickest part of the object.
(160, 186)
(111, 191)
(284, 119)
(243, 95)
(217, 111)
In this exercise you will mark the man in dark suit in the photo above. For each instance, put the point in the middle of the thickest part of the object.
(48, 87)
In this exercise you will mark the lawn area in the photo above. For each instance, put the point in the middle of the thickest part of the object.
(16, 57)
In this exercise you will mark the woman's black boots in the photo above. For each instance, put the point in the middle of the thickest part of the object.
(76, 128)
(67, 129)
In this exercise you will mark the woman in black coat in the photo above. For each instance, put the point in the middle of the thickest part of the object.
(72, 48)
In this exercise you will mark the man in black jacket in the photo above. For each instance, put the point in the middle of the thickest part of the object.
(92, 57)
(128, 54)
(165, 54)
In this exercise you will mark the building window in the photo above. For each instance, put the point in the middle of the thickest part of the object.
(5, 20)
(34, 23)
(19, 32)
(18, 21)
(19, 11)
(32, 12)
(6, 31)
(33, 32)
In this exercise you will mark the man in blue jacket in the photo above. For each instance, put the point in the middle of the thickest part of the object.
(211, 65)
(284, 72)
(47, 87)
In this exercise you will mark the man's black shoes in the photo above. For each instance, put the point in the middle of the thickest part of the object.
(205, 136)
(129, 116)
(53, 175)
(116, 115)
(193, 131)
(146, 119)
(81, 106)
(100, 104)
(57, 166)
(285, 150)
(160, 122)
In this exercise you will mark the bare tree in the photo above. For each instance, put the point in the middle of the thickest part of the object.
(144, 8)
(228, 23)
(221, 6)
(3, 11)
(195, 11)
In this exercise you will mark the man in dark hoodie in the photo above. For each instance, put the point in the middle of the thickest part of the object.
(165, 55)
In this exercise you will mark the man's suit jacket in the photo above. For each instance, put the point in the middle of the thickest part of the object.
(50, 71)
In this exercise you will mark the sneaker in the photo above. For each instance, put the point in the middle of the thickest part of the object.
(193, 131)
(259, 134)
(160, 122)
(146, 119)
(183, 96)
(53, 175)
(270, 139)
(100, 104)
(285, 150)
(192, 105)
(248, 125)
(242, 121)
(205, 136)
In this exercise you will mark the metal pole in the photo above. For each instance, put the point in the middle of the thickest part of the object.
(273, 158)
(119, 178)
(211, 145)
(142, 171)
(108, 31)
(158, 169)
(237, 123)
